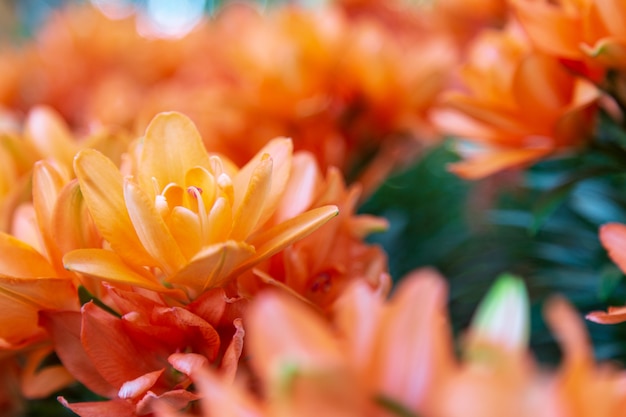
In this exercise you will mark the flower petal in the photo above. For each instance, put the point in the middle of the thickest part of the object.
(20, 260)
(213, 265)
(108, 266)
(64, 327)
(171, 147)
(117, 408)
(152, 230)
(50, 135)
(253, 204)
(280, 150)
(613, 238)
(102, 186)
(277, 238)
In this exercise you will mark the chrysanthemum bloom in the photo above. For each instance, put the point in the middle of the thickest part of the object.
(396, 358)
(140, 349)
(588, 33)
(519, 106)
(185, 219)
(613, 238)
(322, 265)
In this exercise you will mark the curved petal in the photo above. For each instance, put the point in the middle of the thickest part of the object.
(171, 147)
(102, 186)
(213, 265)
(50, 135)
(253, 204)
(283, 333)
(108, 266)
(277, 238)
(20, 260)
(613, 238)
(64, 327)
(72, 226)
(139, 386)
(495, 160)
(280, 150)
(614, 315)
(22, 299)
(152, 230)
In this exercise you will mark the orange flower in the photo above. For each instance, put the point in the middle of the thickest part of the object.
(195, 218)
(520, 106)
(322, 265)
(590, 32)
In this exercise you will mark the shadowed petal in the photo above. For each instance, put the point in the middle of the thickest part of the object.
(280, 151)
(152, 230)
(254, 200)
(64, 327)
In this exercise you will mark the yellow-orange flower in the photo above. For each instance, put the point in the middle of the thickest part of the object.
(195, 219)
(519, 106)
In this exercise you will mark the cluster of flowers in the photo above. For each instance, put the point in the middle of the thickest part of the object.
(162, 247)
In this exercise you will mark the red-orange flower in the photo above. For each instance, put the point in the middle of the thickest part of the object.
(145, 350)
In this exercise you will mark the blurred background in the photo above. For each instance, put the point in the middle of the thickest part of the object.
(541, 224)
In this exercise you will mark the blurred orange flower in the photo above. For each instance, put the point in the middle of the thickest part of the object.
(396, 358)
(590, 32)
(341, 88)
(519, 106)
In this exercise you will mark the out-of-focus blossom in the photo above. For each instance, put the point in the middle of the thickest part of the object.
(322, 265)
(397, 358)
(186, 218)
(145, 350)
(519, 106)
(588, 33)
(11, 402)
(613, 238)
(343, 89)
